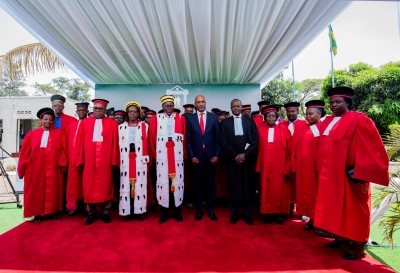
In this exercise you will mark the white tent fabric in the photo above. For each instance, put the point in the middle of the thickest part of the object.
(175, 41)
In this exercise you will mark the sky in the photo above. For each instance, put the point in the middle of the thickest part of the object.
(365, 32)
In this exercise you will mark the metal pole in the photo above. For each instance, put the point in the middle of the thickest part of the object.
(294, 84)
(333, 76)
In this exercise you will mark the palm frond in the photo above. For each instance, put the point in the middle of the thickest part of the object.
(30, 60)
(390, 223)
(392, 141)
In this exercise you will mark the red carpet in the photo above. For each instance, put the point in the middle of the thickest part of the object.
(67, 245)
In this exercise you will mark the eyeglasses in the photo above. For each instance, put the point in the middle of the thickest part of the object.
(58, 105)
(82, 110)
(99, 108)
(132, 112)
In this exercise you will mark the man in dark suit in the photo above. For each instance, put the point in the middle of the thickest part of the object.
(202, 141)
(239, 144)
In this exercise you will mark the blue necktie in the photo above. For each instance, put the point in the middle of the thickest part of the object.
(58, 123)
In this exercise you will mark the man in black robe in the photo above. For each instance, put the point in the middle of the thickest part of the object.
(239, 144)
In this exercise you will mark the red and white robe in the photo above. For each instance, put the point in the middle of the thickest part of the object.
(158, 138)
(142, 159)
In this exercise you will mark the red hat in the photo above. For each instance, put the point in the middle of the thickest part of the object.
(246, 107)
(269, 109)
(291, 105)
(101, 101)
(315, 104)
(341, 91)
(120, 112)
(151, 112)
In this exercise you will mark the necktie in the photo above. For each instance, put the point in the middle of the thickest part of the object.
(202, 123)
(58, 123)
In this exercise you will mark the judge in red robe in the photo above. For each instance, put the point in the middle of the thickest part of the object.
(274, 166)
(305, 152)
(351, 154)
(167, 143)
(61, 122)
(98, 154)
(293, 123)
(259, 118)
(74, 184)
(40, 157)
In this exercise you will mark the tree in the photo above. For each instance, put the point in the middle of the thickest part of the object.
(28, 60)
(12, 87)
(280, 91)
(74, 89)
(377, 91)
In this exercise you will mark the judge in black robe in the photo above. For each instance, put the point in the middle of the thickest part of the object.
(239, 151)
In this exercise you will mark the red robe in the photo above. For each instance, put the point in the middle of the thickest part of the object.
(343, 207)
(258, 120)
(306, 152)
(66, 120)
(74, 184)
(297, 125)
(43, 178)
(273, 163)
(98, 159)
(221, 183)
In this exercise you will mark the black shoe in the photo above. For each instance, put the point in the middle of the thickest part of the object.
(199, 216)
(279, 220)
(65, 210)
(338, 244)
(248, 220)
(141, 217)
(234, 219)
(90, 219)
(55, 215)
(179, 217)
(348, 256)
(163, 219)
(37, 219)
(267, 219)
(106, 218)
(212, 215)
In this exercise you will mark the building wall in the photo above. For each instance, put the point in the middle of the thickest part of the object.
(14, 108)
(217, 95)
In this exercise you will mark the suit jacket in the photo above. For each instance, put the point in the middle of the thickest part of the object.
(195, 139)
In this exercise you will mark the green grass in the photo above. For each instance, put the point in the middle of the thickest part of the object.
(10, 216)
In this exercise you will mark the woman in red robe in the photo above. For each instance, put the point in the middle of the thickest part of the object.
(39, 160)
(274, 166)
(305, 152)
(350, 155)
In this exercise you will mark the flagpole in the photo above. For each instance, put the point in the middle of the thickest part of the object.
(333, 76)
(294, 84)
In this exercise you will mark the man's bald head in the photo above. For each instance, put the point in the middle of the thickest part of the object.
(200, 103)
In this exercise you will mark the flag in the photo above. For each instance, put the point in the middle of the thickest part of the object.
(333, 41)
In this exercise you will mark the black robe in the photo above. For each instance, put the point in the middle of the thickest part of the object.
(240, 176)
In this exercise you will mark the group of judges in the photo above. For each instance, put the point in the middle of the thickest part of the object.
(136, 157)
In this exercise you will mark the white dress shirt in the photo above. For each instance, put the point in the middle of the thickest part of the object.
(238, 125)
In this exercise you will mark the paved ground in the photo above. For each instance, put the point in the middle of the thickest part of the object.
(5, 189)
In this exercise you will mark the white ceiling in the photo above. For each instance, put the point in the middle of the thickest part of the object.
(175, 41)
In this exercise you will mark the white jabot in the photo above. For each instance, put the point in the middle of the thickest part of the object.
(238, 125)
(44, 140)
(314, 130)
(204, 118)
(132, 134)
(291, 127)
(170, 125)
(330, 126)
(98, 129)
(271, 134)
